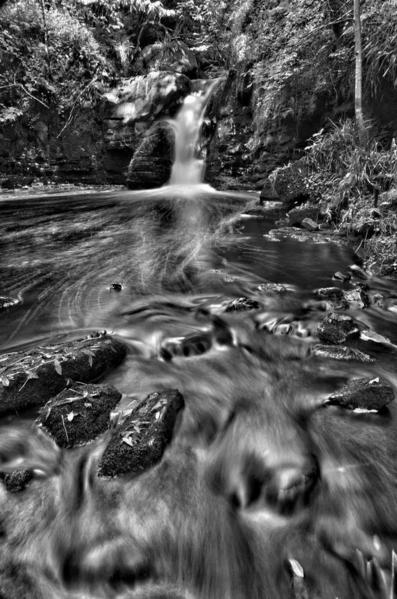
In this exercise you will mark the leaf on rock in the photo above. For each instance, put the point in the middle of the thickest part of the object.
(5, 380)
(58, 366)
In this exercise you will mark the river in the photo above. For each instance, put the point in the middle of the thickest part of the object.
(154, 268)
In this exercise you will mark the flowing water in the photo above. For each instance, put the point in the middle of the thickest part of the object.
(264, 492)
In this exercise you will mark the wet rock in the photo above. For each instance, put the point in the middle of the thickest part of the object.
(375, 338)
(17, 480)
(116, 286)
(276, 288)
(364, 393)
(268, 194)
(338, 352)
(337, 328)
(241, 304)
(331, 293)
(340, 276)
(309, 224)
(8, 302)
(289, 182)
(297, 215)
(79, 413)
(30, 378)
(358, 272)
(140, 442)
(356, 298)
(152, 162)
(302, 236)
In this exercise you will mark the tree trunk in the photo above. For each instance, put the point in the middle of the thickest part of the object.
(358, 89)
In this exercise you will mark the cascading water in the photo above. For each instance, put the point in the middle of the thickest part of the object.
(187, 167)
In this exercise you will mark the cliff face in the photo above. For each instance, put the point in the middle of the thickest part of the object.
(287, 69)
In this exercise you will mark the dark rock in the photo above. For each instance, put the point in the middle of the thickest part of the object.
(309, 224)
(340, 276)
(241, 304)
(297, 215)
(365, 393)
(268, 194)
(338, 352)
(79, 413)
(17, 480)
(358, 272)
(330, 293)
(151, 164)
(336, 328)
(289, 182)
(141, 441)
(116, 286)
(276, 288)
(8, 302)
(353, 297)
(30, 378)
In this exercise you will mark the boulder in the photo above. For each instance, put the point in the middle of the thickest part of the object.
(331, 293)
(151, 164)
(309, 224)
(337, 328)
(30, 378)
(338, 352)
(140, 442)
(289, 182)
(241, 304)
(79, 413)
(363, 393)
(296, 216)
(17, 480)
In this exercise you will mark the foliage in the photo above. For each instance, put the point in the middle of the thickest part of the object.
(336, 164)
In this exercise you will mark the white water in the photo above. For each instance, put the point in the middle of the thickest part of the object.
(187, 167)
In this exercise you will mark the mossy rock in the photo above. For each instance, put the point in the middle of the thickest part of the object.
(30, 378)
(142, 439)
(363, 393)
(79, 413)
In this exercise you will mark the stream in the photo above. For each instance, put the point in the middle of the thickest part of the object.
(265, 491)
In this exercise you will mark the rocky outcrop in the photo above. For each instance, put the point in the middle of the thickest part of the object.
(341, 352)
(30, 378)
(337, 328)
(79, 413)
(141, 441)
(363, 393)
(152, 162)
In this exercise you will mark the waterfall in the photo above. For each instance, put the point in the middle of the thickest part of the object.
(188, 167)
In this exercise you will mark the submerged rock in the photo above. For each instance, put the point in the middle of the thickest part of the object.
(79, 413)
(17, 480)
(30, 378)
(364, 393)
(241, 304)
(337, 328)
(337, 352)
(141, 441)
(331, 293)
